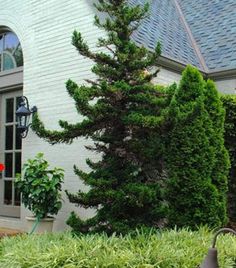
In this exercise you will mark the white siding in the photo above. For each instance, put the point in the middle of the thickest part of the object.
(166, 77)
(45, 28)
(227, 86)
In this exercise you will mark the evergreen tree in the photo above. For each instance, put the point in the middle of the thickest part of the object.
(229, 102)
(220, 170)
(196, 187)
(125, 124)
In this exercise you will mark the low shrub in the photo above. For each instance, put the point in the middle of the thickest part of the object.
(168, 249)
(40, 187)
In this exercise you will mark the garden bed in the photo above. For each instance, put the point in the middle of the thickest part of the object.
(9, 232)
(182, 249)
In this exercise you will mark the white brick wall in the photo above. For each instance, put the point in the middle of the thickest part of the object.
(166, 77)
(227, 86)
(45, 28)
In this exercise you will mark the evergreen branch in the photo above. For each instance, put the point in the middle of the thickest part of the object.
(94, 165)
(83, 200)
(84, 50)
(102, 42)
(145, 121)
(67, 135)
(92, 82)
(110, 49)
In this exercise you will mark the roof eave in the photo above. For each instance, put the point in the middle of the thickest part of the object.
(174, 65)
(222, 74)
(178, 67)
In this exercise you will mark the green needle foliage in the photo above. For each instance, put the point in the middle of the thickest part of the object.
(230, 143)
(220, 170)
(126, 124)
(197, 161)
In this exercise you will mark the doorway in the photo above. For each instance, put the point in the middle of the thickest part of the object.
(10, 154)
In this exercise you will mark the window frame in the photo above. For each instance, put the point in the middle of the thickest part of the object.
(3, 32)
(11, 79)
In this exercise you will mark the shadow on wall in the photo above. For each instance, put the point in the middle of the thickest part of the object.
(90, 4)
(91, 7)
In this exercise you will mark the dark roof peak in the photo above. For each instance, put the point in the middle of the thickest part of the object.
(202, 33)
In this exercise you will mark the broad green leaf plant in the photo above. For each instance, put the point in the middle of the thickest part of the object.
(40, 187)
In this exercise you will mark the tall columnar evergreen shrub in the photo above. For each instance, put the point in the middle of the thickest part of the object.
(125, 124)
(220, 171)
(196, 188)
(230, 143)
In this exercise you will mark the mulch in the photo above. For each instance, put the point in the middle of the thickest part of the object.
(5, 232)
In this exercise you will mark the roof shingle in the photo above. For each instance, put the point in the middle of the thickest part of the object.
(164, 25)
(212, 24)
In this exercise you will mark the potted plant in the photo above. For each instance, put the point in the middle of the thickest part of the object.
(40, 189)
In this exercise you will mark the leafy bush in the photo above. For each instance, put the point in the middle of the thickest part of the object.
(40, 187)
(182, 249)
(230, 143)
(197, 161)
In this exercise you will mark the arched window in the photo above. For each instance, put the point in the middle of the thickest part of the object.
(11, 85)
(11, 55)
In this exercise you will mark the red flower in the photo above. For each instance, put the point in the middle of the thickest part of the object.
(2, 167)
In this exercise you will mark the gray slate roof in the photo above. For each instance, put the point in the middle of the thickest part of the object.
(212, 25)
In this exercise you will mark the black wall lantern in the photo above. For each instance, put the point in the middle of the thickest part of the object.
(211, 260)
(23, 116)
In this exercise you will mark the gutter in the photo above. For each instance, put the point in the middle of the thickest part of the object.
(178, 67)
(222, 74)
(174, 65)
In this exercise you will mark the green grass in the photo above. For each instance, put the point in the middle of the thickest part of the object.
(169, 249)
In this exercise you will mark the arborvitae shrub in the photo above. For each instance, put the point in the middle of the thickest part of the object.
(229, 103)
(125, 124)
(220, 170)
(196, 187)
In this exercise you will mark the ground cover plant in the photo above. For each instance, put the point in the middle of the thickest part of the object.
(168, 249)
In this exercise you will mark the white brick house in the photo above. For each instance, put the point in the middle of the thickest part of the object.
(44, 29)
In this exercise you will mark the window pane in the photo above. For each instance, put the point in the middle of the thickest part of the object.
(7, 192)
(9, 138)
(11, 41)
(1, 49)
(12, 52)
(8, 165)
(18, 139)
(9, 110)
(18, 102)
(8, 61)
(17, 197)
(17, 163)
(18, 55)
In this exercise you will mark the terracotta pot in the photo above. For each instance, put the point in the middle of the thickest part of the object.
(44, 225)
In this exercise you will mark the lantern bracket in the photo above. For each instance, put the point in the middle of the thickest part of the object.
(23, 114)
